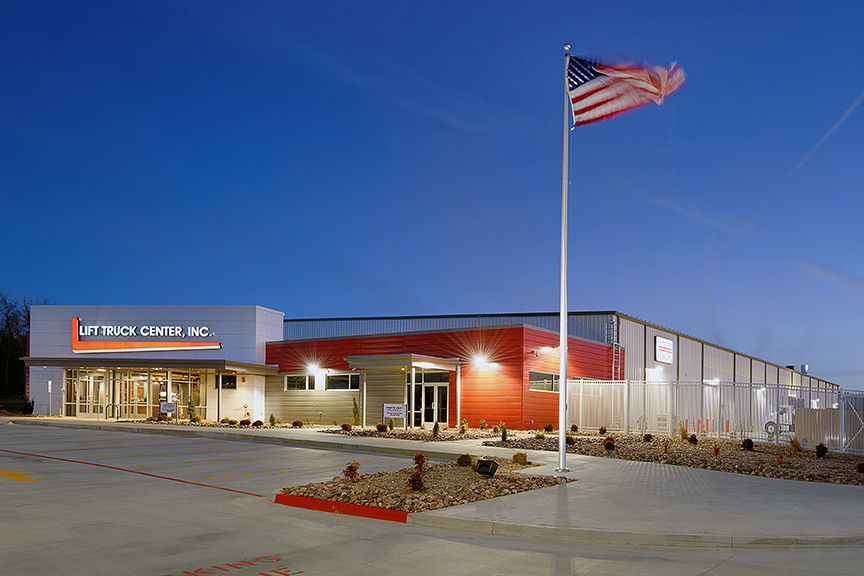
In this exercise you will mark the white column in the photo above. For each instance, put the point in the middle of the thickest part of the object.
(411, 400)
(363, 399)
(458, 393)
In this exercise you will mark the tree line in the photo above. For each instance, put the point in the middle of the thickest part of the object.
(14, 327)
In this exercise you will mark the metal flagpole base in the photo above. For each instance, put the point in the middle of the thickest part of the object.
(562, 469)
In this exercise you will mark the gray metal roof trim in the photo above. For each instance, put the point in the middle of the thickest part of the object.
(440, 330)
(432, 316)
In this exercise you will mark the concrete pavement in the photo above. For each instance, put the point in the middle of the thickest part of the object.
(613, 502)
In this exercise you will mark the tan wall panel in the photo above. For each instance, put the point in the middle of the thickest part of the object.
(758, 372)
(310, 406)
(718, 364)
(655, 370)
(632, 336)
(383, 387)
(690, 360)
(742, 368)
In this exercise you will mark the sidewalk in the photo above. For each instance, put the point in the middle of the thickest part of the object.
(615, 502)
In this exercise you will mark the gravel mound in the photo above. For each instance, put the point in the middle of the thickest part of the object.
(761, 461)
(446, 484)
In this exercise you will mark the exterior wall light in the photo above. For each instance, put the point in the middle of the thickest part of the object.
(312, 368)
(481, 362)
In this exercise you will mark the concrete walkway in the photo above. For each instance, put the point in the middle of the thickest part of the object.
(614, 502)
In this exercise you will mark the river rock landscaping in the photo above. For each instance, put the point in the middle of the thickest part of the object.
(445, 484)
(770, 460)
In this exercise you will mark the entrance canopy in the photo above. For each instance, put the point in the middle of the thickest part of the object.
(398, 362)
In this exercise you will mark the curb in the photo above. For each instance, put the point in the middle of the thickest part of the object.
(586, 536)
(346, 508)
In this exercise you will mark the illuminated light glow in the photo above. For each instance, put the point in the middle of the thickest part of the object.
(548, 349)
(312, 368)
(482, 362)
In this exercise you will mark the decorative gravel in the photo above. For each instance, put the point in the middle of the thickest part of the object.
(418, 434)
(761, 461)
(445, 484)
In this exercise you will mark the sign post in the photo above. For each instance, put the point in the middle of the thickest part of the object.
(50, 403)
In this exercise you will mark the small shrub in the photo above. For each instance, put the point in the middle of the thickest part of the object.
(548, 428)
(520, 458)
(483, 424)
(355, 411)
(503, 428)
(779, 460)
(602, 430)
(747, 444)
(245, 422)
(495, 429)
(390, 424)
(821, 450)
(297, 424)
(347, 427)
(415, 481)
(682, 431)
(232, 422)
(574, 428)
(464, 460)
(539, 436)
(795, 444)
(352, 471)
(647, 437)
(420, 462)
(693, 440)
(436, 430)
(665, 448)
(257, 424)
(381, 427)
(609, 443)
(197, 419)
(570, 440)
(463, 426)
(162, 418)
(860, 467)
(224, 420)
(273, 420)
(716, 450)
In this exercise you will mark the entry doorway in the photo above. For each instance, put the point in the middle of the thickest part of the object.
(91, 390)
(431, 391)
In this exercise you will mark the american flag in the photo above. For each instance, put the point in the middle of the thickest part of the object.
(599, 91)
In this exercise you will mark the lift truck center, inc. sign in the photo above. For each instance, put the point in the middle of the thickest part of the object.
(152, 333)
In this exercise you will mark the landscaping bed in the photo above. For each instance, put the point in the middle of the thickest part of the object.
(445, 484)
(770, 460)
(418, 434)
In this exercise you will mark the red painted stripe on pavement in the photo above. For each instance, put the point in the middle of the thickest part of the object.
(342, 508)
(132, 472)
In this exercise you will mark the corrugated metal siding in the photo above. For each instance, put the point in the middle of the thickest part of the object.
(632, 337)
(718, 364)
(690, 360)
(383, 387)
(581, 325)
(654, 370)
(758, 372)
(310, 406)
(742, 368)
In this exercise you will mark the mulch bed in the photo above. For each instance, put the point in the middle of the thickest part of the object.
(421, 435)
(761, 461)
(445, 484)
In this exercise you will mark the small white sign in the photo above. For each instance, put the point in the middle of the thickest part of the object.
(49, 387)
(395, 410)
(166, 407)
(663, 350)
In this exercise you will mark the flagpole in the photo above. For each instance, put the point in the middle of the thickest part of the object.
(562, 319)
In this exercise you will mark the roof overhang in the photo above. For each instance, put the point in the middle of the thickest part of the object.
(149, 363)
(396, 362)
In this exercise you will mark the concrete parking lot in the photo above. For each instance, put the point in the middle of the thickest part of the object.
(75, 502)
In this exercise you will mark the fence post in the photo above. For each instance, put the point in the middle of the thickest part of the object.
(627, 406)
(669, 408)
(777, 415)
(842, 421)
(719, 406)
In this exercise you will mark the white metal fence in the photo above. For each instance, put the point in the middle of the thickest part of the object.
(730, 410)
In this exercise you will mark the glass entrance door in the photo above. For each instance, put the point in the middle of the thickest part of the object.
(91, 387)
(434, 404)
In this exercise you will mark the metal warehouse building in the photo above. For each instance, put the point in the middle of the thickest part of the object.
(248, 361)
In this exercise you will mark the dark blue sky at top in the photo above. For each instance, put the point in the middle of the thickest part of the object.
(385, 158)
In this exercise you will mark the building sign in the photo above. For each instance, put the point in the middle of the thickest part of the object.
(395, 410)
(167, 407)
(663, 351)
(145, 331)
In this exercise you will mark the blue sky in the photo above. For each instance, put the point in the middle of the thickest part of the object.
(382, 158)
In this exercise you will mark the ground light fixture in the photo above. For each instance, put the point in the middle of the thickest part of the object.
(487, 467)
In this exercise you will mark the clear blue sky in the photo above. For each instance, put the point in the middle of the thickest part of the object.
(379, 158)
